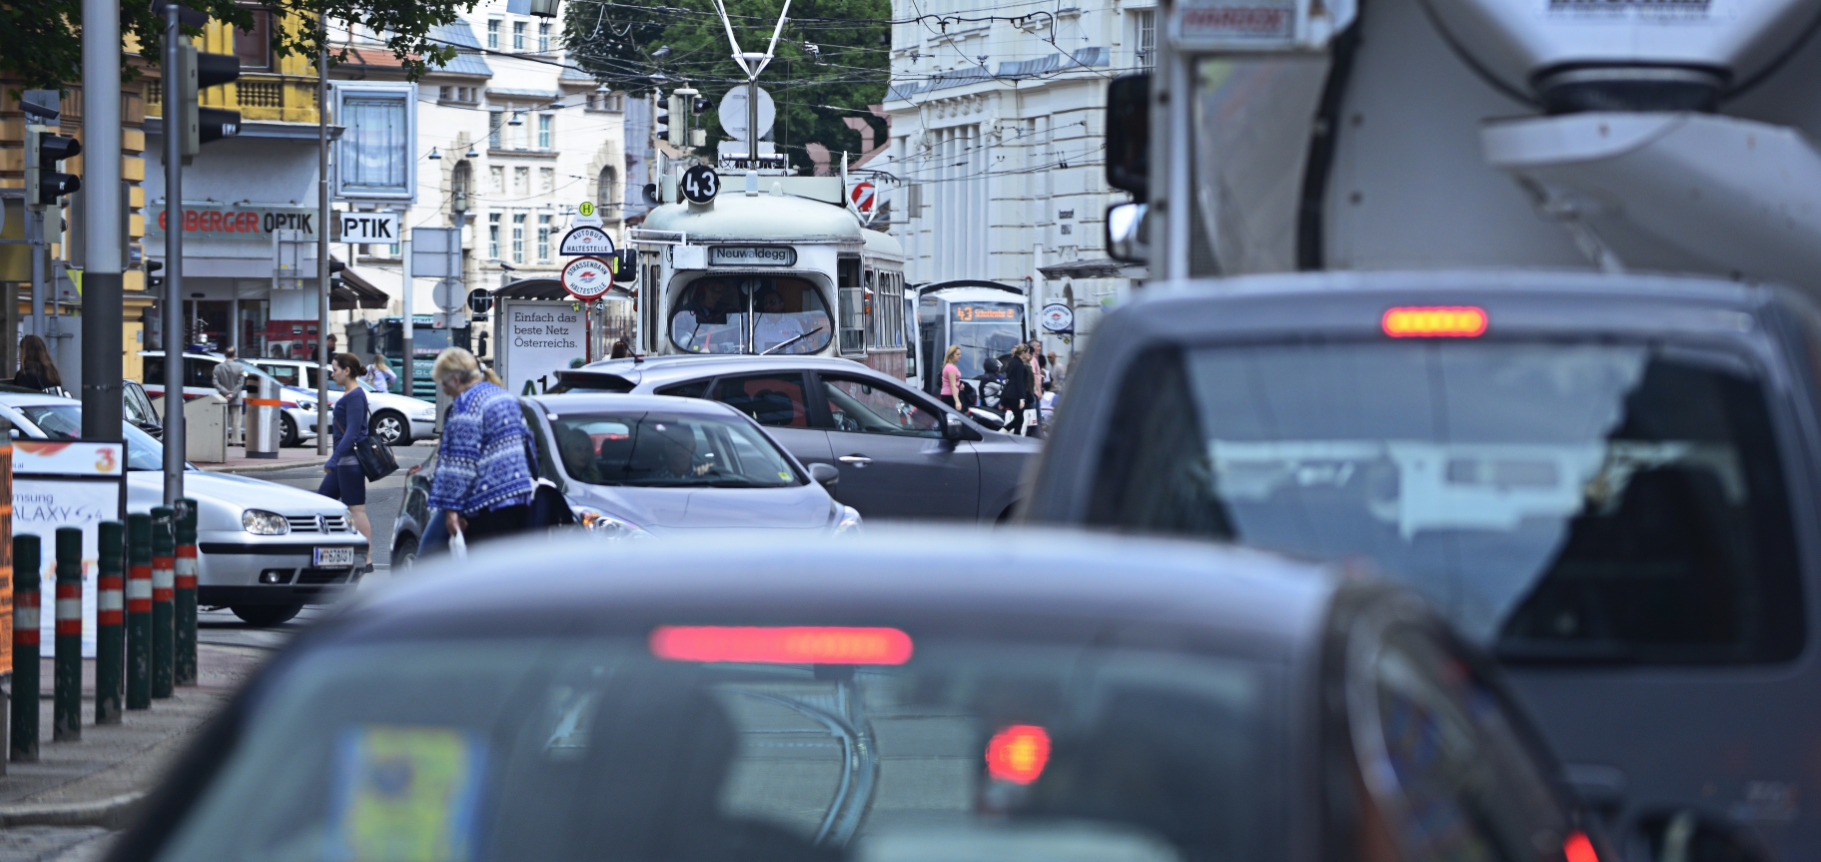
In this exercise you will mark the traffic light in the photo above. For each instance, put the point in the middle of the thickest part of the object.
(197, 125)
(662, 128)
(682, 106)
(45, 185)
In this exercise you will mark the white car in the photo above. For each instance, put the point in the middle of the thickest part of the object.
(397, 419)
(264, 550)
(297, 413)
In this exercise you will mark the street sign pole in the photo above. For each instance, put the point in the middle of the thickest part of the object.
(409, 364)
(173, 273)
(102, 319)
(322, 238)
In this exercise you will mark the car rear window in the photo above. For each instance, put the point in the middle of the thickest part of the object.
(723, 744)
(1561, 502)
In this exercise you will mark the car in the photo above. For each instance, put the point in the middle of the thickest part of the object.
(396, 419)
(890, 442)
(139, 409)
(607, 455)
(263, 550)
(297, 411)
(975, 695)
(1604, 480)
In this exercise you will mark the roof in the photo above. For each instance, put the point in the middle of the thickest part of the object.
(737, 216)
(1099, 267)
(1266, 605)
(672, 367)
(466, 63)
(620, 403)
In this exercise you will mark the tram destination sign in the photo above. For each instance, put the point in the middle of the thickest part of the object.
(752, 255)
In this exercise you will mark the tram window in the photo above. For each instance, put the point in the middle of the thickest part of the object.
(750, 314)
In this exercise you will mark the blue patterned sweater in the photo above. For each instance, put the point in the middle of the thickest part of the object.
(481, 462)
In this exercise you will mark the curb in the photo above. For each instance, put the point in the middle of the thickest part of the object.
(273, 467)
(112, 813)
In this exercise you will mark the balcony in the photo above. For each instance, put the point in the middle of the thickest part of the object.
(260, 97)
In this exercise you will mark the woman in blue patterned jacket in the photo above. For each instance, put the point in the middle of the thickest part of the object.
(483, 482)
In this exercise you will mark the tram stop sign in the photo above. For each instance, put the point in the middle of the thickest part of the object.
(587, 278)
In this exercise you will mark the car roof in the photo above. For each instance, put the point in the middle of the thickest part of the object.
(619, 402)
(1250, 602)
(661, 369)
(23, 399)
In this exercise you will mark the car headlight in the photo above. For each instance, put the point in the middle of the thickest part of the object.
(605, 526)
(848, 522)
(261, 523)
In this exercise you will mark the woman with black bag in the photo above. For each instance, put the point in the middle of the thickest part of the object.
(347, 481)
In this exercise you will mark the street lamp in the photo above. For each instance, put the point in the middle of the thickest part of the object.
(517, 119)
(471, 154)
(434, 155)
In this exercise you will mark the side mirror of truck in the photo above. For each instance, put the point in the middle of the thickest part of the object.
(1126, 235)
(1128, 128)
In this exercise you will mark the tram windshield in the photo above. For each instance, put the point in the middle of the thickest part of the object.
(984, 329)
(750, 314)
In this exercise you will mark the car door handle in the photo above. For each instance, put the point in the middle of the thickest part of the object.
(856, 460)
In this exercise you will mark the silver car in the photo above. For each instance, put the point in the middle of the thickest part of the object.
(264, 550)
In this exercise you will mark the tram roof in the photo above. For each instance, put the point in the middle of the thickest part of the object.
(738, 217)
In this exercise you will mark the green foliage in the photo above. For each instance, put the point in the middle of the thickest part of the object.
(814, 91)
(41, 40)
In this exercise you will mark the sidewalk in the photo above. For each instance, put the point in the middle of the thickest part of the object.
(288, 459)
(92, 782)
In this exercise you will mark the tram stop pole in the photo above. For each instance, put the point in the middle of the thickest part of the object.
(184, 575)
(66, 715)
(27, 563)
(139, 612)
(164, 621)
(110, 623)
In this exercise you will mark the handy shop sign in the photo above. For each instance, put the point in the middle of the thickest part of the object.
(250, 224)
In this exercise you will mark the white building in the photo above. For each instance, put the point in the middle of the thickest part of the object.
(998, 140)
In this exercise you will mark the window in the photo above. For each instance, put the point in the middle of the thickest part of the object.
(374, 152)
(521, 181)
(518, 35)
(853, 307)
(543, 37)
(1144, 37)
(493, 34)
(543, 237)
(493, 235)
(750, 314)
(657, 449)
(886, 320)
(862, 407)
(459, 183)
(518, 237)
(546, 180)
(607, 193)
(544, 123)
(496, 119)
(499, 179)
(445, 93)
(253, 47)
(772, 400)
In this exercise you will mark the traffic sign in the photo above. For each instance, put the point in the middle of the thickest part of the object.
(480, 300)
(1057, 317)
(701, 184)
(449, 294)
(733, 113)
(587, 278)
(586, 209)
(863, 195)
(585, 240)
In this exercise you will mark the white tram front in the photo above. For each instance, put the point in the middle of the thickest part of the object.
(771, 265)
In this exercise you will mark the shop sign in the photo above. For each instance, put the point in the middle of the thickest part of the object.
(229, 223)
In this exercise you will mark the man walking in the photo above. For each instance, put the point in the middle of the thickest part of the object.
(231, 383)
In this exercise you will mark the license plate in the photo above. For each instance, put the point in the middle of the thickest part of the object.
(333, 557)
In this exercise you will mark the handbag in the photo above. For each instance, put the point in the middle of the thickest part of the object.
(375, 457)
(548, 506)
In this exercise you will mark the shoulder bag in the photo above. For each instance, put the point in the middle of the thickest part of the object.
(375, 457)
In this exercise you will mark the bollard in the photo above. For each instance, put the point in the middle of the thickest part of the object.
(66, 682)
(139, 612)
(164, 619)
(27, 563)
(185, 577)
(110, 622)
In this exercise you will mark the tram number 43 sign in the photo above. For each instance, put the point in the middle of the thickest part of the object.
(701, 184)
(587, 278)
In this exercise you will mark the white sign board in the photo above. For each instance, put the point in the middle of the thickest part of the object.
(449, 295)
(586, 240)
(1251, 26)
(436, 252)
(359, 228)
(535, 339)
(587, 278)
(733, 113)
(66, 484)
(1057, 317)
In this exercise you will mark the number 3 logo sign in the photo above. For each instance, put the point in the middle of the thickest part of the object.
(701, 184)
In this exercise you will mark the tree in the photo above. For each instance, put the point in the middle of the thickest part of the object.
(41, 40)
(832, 59)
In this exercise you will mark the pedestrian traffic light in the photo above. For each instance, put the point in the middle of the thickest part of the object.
(662, 128)
(45, 184)
(196, 71)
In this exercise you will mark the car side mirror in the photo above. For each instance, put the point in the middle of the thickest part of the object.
(1128, 130)
(1127, 237)
(824, 474)
(954, 430)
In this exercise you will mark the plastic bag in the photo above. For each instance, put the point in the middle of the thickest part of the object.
(458, 547)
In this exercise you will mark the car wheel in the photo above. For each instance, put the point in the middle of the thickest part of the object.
(287, 430)
(389, 426)
(266, 616)
(404, 555)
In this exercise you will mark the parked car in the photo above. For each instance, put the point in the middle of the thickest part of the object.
(634, 467)
(396, 419)
(1602, 479)
(890, 442)
(898, 698)
(139, 409)
(264, 550)
(297, 411)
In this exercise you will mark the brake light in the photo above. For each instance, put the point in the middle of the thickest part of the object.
(782, 644)
(1019, 753)
(1456, 321)
(1577, 848)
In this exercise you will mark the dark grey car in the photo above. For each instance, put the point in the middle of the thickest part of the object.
(886, 438)
(1611, 482)
(1025, 696)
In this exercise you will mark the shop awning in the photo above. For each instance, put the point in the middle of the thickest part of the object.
(356, 292)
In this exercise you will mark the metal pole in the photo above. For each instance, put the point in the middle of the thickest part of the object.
(409, 367)
(752, 122)
(322, 241)
(102, 406)
(173, 269)
(34, 226)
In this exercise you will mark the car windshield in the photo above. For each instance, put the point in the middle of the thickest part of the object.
(596, 749)
(64, 422)
(984, 329)
(641, 448)
(1561, 502)
(750, 314)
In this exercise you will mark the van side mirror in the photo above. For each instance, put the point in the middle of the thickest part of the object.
(824, 474)
(1127, 238)
(1128, 128)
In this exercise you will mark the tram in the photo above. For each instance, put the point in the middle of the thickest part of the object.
(985, 319)
(772, 264)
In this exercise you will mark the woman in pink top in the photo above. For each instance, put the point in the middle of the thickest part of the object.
(951, 376)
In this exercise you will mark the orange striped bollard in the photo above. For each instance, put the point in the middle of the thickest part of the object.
(27, 564)
(110, 622)
(164, 595)
(66, 677)
(139, 612)
(185, 576)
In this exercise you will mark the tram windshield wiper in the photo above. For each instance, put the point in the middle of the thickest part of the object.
(788, 342)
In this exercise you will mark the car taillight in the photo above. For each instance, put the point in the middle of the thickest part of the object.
(1019, 753)
(1437, 321)
(1577, 848)
(782, 644)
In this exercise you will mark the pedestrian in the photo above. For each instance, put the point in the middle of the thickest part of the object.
(346, 481)
(380, 373)
(231, 383)
(951, 376)
(36, 370)
(1046, 406)
(483, 481)
(621, 350)
(331, 348)
(1016, 395)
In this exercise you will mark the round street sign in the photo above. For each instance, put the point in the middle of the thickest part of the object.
(733, 113)
(701, 184)
(480, 300)
(585, 239)
(449, 295)
(587, 278)
(586, 209)
(1057, 317)
(863, 195)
